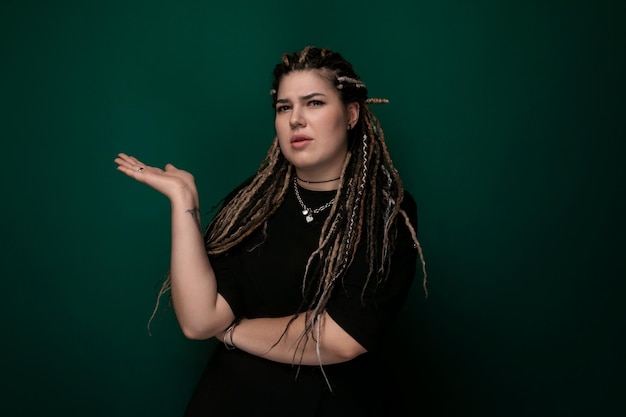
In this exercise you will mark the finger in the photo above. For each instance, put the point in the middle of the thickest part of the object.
(133, 172)
(126, 158)
(135, 161)
(128, 168)
(130, 162)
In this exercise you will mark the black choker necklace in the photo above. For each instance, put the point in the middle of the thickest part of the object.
(317, 182)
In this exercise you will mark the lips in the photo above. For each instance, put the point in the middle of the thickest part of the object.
(298, 138)
(300, 141)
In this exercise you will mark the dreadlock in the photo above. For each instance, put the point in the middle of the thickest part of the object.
(366, 205)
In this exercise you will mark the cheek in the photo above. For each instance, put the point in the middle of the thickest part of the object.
(283, 133)
(338, 126)
(279, 126)
(340, 121)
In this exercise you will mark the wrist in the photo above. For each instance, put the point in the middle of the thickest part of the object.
(228, 336)
(185, 199)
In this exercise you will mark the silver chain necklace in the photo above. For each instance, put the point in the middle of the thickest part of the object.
(307, 212)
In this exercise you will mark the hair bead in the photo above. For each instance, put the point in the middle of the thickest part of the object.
(377, 101)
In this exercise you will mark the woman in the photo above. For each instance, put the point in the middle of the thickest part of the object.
(306, 265)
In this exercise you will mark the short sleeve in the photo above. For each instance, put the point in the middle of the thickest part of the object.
(227, 269)
(366, 317)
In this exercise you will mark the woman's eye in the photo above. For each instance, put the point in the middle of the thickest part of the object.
(316, 103)
(281, 109)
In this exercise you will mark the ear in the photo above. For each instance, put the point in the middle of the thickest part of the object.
(353, 112)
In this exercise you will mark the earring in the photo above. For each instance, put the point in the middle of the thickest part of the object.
(349, 127)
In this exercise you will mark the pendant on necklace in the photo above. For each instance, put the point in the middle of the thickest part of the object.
(307, 215)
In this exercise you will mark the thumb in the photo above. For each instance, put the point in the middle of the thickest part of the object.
(170, 167)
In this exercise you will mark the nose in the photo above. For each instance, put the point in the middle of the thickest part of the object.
(296, 119)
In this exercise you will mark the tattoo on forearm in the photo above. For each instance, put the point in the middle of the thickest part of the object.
(195, 213)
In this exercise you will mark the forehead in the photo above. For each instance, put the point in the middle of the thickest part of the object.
(300, 83)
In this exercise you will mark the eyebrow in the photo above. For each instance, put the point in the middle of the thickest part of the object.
(304, 98)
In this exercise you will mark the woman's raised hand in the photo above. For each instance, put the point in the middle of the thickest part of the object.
(171, 181)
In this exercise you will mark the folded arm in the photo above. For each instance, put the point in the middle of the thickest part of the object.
(267, 338)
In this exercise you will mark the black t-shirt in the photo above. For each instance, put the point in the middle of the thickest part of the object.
(263, 277)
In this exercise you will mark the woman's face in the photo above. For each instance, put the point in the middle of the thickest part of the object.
(312, 124)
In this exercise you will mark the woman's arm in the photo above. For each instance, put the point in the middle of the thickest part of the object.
(258, 337)
(200, 310)
(353, 321)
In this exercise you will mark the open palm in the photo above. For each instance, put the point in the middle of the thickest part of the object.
(169, 181)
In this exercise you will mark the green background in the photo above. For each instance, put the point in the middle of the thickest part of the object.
(506, 121)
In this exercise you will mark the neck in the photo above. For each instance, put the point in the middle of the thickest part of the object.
(319, 185)
(324, 175)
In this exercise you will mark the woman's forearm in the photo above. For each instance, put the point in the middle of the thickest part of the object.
(262, 337)
(201, 312)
